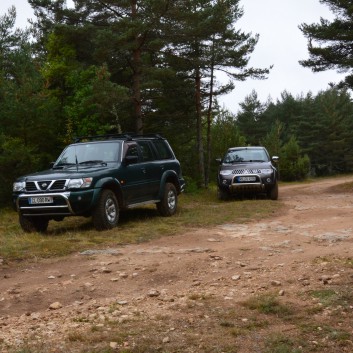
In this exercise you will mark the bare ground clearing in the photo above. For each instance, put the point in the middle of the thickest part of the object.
(193, 292)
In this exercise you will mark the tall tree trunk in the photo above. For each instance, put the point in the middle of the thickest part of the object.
(136, 75)
(209, 121)
(136, 90)
(199, 126)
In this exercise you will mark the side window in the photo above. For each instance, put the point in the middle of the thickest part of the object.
(163, 149)
(132, 151)
(147, 153)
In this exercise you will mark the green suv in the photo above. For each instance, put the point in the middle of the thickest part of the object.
(98, 176)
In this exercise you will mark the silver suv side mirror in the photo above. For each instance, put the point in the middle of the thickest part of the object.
(275, 159)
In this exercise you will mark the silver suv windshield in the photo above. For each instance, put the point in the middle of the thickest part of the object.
(245, 155)
(89, 153)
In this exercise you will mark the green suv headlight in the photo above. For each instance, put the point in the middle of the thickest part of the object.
(19, 186)
(79, 183)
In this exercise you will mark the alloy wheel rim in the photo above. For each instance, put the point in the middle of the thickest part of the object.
(171, 200)
(110, 210)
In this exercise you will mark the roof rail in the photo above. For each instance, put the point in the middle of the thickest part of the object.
(127, 136)
(102, 137)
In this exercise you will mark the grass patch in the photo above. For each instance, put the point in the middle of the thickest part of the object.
(135, 226)
(325, 296)
(334, 260)
(342, 297)
(327, 334)
(268, 304)
(277, 343)
(342, 188)
(339, 299)
(245, 328)
(349, 262)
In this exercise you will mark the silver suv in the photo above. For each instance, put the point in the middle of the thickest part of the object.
(245, 170)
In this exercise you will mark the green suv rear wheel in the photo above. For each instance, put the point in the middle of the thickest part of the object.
(168, 205)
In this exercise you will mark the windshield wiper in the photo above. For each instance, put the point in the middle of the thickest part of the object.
(62, 165)
(96, 161)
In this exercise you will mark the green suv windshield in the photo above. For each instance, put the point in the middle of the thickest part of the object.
(87, 153)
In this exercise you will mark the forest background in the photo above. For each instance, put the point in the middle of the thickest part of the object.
(151, 66)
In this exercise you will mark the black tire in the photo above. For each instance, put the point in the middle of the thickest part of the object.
(273, 193)
(33, 224)
(106, 214)
(222, 195)
(168, 205)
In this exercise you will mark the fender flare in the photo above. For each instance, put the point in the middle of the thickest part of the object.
(168, 176)
(108, 183)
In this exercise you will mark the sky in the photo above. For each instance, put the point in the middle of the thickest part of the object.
(281, 44)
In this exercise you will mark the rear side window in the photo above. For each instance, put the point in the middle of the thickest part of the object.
(163, 150)
(146, 151)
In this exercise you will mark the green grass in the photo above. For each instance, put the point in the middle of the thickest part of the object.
(201, 209)
(339, 299)
(268, 304)
(342, 188)
(325, 296)
(278, 343)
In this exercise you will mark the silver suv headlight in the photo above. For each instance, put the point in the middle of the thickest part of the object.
(225, 172)
(19, 186)
(267, 171)
(79, 183)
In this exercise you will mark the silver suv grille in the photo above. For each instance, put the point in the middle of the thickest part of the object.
(246, 171)
(46, 185)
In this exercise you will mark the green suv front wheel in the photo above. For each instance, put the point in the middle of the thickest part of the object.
(168, 205)
(106, 214)
(33, 224)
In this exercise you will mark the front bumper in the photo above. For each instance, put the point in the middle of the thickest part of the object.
(246, 183)
(66, 203)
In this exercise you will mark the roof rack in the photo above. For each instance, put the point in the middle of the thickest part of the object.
(127, 136)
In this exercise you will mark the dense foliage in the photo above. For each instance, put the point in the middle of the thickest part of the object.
(310, 134)
(151, 66)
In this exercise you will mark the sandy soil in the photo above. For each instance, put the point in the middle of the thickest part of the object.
(169, 293)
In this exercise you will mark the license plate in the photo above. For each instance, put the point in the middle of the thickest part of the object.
(40, 200)
(246, 179)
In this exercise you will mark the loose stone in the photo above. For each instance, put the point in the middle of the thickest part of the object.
(55, 306)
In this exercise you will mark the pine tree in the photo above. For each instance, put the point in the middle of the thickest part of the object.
(205, 41)
(330, 44)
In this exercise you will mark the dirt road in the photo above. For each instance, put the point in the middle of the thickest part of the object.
(186, 293)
